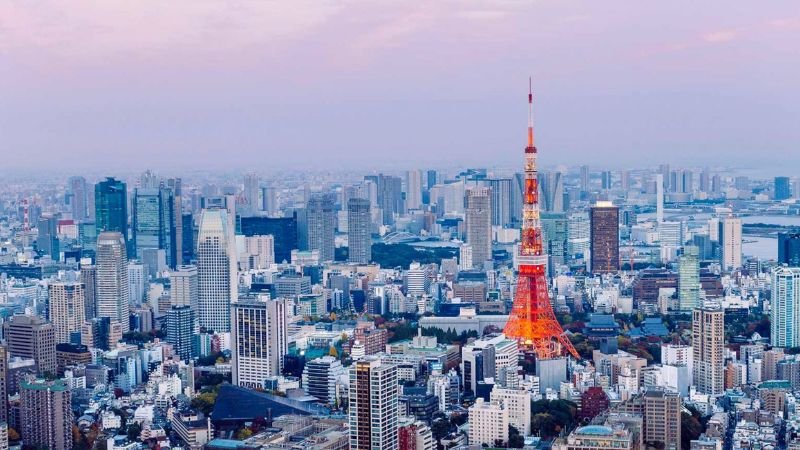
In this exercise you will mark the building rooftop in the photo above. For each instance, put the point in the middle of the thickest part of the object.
(595, 430)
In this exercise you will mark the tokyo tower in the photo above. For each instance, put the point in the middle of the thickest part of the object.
(532, 321)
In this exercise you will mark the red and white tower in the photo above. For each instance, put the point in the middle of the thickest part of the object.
(532, 321)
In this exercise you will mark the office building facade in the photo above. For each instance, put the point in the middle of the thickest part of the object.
(604, 245)
(216, 270)
(112, 291)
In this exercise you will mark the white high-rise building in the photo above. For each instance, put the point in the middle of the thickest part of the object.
(478, 223)
(708, 341)
(216, 270)
(518, 404)
(258, 340)
(259, 252)
(730, 239)
(359, 236)
(785, 307)
(322, 378)
(488, 423)
(413, 189)
(112, 293)
(184, 289)
(137, 282)
(417, 279)
(373, 405)
(465, 257)
(67, 310)
(578, 235)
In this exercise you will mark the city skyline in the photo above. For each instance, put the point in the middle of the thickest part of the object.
(268, 85)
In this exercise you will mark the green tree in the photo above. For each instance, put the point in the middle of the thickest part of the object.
(515, 439)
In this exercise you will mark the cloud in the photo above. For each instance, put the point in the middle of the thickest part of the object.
(717, 37)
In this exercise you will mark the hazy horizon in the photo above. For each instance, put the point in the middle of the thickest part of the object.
(263, 85)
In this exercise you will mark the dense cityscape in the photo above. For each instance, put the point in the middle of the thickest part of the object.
(399, 225)
(574, 309)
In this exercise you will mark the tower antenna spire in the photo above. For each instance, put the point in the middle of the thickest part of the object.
(530, 112)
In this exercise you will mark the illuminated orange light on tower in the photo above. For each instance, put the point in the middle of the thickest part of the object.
(532, 321)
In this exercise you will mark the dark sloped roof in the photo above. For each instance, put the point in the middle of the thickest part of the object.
(238, 403)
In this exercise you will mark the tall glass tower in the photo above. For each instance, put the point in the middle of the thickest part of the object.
(154, 222)
(111, 206)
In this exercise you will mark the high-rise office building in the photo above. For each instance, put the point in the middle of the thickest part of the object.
(501, 201)
(46, 407)
(321, 220)
(705, 181)
(730, 241)
(258, 340)
(604, 226)
(32, 337)
(551, 190)
(689, 279)
(78, 199)
(252, 189)
(111, 206)
(153, 224)
(269, 200)
(555, 239)
(789, 249)
(662, 418)
(585, 176)
(389, 195)
(605, 180)
(3, 384)
(216, 270)
(180, 329)
(659, 199)
(414, 189)
(321, 377)
(359, 237)
(188, 247)
(708, 341)
(89, 280)
(112, 291)
(783, 189)
(784, 310)
(578, 235)
(373, 405)
(184, 287)
(259, 252)
(67, 309)
(47, 240)
(283, 229)
(478, 223)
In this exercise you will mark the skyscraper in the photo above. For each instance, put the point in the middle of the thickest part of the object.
(252, 190)
(46, 407)
(708, 339)
(78, 199)
(154, 222)
(111, 206)
(604, 226)
(258, 340)
(47, 241)
(32, 337)
(180, 329)
(184, 287)
(359, 237)
(785, 309)
(501, 201)
(551, 187)
(283, 229)
(3, 384)
(584, 178)
(414, 189)
(89, 280)
(659, 199)
(389, 195)
(730, 239)
(689, 279)
(789, 249)
(662, 418)
(782, 188)
(605, 179)
(216, 270)
(555, 240)
(578, 235)
(373, 405)
(321, 217)
(112, 294)
(67, 309)
(478, 223)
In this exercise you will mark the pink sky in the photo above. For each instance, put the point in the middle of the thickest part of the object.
(374, 83)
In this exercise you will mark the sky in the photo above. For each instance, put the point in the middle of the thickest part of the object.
(270, 85)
